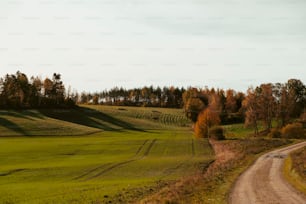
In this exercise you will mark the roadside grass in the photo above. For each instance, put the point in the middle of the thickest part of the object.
(222, 174)
(232, 158)
(132, 159)
(294, 169)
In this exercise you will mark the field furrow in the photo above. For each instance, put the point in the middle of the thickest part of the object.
(150, 147)
(141, 147)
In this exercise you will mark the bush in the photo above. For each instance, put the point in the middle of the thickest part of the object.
(206, 119)
(294, 130)
(275, 133)
(200, 131)
(216, 133)
(302, 119)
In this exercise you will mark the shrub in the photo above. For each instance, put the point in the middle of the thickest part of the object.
(200, 131)
(216, 133)
(302, 119)
(206, 119)
(294, 130)
(275, 133)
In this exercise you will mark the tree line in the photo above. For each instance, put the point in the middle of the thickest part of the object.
(209, 107)
(17, 91)
(147, 96)
(279, 102)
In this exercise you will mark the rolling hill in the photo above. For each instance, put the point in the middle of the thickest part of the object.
(95, 154)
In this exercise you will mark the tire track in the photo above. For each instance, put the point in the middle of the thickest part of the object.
(11, 172)
(90, 171)
(263, 181)
(169, 171)
(125, 162)
(150, 147)
(110, 168)
(141, 147)
(100, 170)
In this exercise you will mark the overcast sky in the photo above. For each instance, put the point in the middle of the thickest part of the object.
(99, 44)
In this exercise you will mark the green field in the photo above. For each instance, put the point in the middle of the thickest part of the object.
(95, 154)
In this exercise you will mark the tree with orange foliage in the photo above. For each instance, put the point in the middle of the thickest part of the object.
(251, 106)
(194, 103)
(206, 119)
(266, 104)
(231, 102)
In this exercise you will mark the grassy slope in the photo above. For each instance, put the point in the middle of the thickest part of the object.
(132, 154)
(294, 169)
(33, 123)
(125, 153)
(161, 117)
(87, 120)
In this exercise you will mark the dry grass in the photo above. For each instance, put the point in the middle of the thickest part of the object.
(294, 169)
(299, 162)
(213, 185)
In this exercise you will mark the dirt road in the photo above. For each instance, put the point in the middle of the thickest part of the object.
(263, 181)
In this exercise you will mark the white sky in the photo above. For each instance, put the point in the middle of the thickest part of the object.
(99, 44)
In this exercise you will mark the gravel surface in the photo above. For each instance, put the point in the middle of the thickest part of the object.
(263, 182)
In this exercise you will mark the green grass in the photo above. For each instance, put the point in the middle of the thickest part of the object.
(121, 156)
(33, 123)
(88, 119)
(102, 154)
(237, 131)
(162, 117)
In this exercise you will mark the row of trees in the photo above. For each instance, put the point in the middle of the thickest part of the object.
(282, 102)
(209, 107)
(18, 91)
(170, 97)
(266, 103)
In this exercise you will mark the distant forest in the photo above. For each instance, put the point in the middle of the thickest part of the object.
(281, 101)
(17, 91)
(267, 105)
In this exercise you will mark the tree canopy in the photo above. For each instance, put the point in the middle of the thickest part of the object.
(18, 91)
